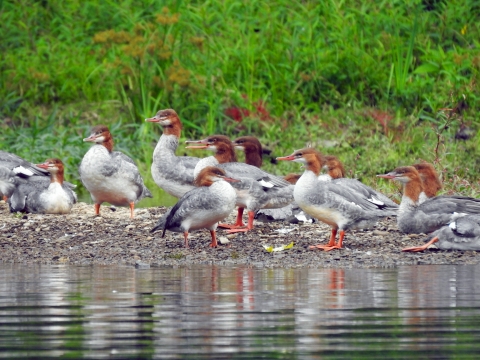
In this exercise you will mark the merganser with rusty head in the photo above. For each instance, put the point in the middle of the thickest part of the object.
(336, 175)
(430, 179)
(35, 196)
(172, 173)
(461, 234)
(16, 171)
(203, 207)
(331, 203)
(256, 189)
(415, 216)
(252, 148)
(110, 176)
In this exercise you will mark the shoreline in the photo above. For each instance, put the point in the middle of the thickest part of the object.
(80, 238)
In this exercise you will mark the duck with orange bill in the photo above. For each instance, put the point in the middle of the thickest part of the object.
(203, 207)
(256, 189)
(35, 196)
(172, 173)
(417, 215)
(15, 171)
(461, 234)
(333, 203)
(110, 176)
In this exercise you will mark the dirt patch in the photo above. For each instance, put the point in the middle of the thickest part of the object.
(112, 238)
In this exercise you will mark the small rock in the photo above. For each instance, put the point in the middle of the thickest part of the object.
(223, 240)
(231, 236)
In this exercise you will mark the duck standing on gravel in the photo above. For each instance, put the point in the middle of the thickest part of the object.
(203, 207)
(333, 203)
(172, 173)
(256, 189)
(34, 197)
(461, 234)
(416, 215)
(110, 176)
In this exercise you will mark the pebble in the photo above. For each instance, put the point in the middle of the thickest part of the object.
(113, 238)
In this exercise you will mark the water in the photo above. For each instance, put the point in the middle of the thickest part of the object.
(235, 313)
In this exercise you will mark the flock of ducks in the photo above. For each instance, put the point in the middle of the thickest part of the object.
(210, 188)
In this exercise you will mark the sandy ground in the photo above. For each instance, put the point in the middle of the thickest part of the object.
(112, 238)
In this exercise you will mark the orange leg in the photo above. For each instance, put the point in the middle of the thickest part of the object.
(132, 206)
(421, 248)
(5, 198)
(251, 215)
(330, 243)
(185, 236)
(238, 223)
(214, 239)
(97, 209)
(339, 244)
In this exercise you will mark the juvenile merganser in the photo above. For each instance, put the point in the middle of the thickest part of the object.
(256, 189)
(415, 216)
(110, 176)
(17, 171)
(430, 179)
(461, 234)
(334, 204)
(34, 197)
(172, 173)
(252, 148)
(203, 207)
(336, 175)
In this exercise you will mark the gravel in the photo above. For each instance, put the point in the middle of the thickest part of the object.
(81, 238)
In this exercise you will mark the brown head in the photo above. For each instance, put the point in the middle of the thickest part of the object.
(55, 167)
(102, 136)
(430, 178)
(169, 121)
(210, 174)
(252, 148)
(219, 144)
(410, 179)
(311, 158)
(334, 167)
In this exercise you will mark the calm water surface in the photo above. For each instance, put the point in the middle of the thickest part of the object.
(234, 313)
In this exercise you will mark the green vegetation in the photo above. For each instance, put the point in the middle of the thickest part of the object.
(372, 79)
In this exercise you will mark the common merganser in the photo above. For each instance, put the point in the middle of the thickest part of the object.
(203, 207)
(256, 189)
(415, 216)
(172, 173)
(334, 204)
(336, 175)
(461, 234)
(110, 176)
(430, 179)
(35, 197)
(17, 171)
(252, 148)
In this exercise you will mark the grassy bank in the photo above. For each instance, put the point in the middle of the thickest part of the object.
(368, 82)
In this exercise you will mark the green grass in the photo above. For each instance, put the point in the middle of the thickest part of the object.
(372, 77)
